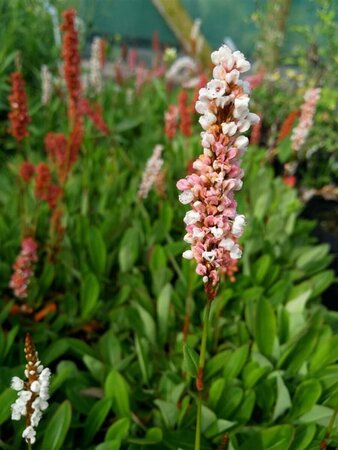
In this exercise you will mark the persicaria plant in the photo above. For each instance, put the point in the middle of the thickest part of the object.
(213, 224)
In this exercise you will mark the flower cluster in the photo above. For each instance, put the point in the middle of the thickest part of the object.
(151, 172)
(287, 125)
(94, 113)
(33, 393)
(18, 115)
(308, 109)
(46, 85)
(212, 224)
(171, 118)
(56, 146)
(72, 61)
(24, 267)
(27, 171)
(44, 188)
(95, 66)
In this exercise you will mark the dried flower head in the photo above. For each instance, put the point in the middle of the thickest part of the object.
(32, 393)
(151, 172)
(18, 114)
(213, 225)
(24, 267)
(184, 111)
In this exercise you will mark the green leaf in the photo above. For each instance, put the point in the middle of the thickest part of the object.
(142, 347)
(306, 396)
(116, 389)
(266, 327)
(277, 438)
(118, 430)
(97, 251)
(283, 401)
(109, 445)
(57, 428)
(235, 362)
(303, 437)
(152, 437)
(163, 305)
(321, 415)
(89, 295)
(310, 257)
(244, 412)
(95, 419)
(262, 268)
(169, 412)
(184, 439)
(7, 397)
(190, 360)
(129, 249)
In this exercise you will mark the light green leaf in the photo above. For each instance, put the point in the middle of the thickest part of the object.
(266, 327)
(89, 295)
(57, 428)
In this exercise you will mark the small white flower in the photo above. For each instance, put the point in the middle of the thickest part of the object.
(235, 252)
(186, 197)
(188, 238)
(191, 217)
(232, 77)
(244, 125)
(35, 386)
(17, 384)
(229, 128)
(208, 139)
(217, 232)
(209, 256)
(219, 73)
(202, 106)
(29, 434)
(238, 186)
(188, 254)
(221, 102)
(242, 142)
(197, 165)
(254, 118)
(238, 225)
(25, 396)
(197, 233)
(216, 88)
(227, 244)
(241, 106)
(205, 279)
(241, 63)
(207, 120)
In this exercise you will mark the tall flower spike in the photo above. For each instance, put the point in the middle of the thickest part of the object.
(212, 224)
(18, 114)
(151, 172)
(95, 66)
(72, 61)
(32, 393)
(46, 85)
(24, 267)
(301, 131)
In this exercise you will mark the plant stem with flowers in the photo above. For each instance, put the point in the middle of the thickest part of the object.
(213, 225)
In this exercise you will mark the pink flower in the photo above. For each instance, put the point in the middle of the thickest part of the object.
(212, 224)
(151, 172)
(24, 267)
(301, 131)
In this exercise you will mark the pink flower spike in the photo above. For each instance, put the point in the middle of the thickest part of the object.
(213, 225)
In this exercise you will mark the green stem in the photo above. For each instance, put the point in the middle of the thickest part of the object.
(29, 445)
(200, 373)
